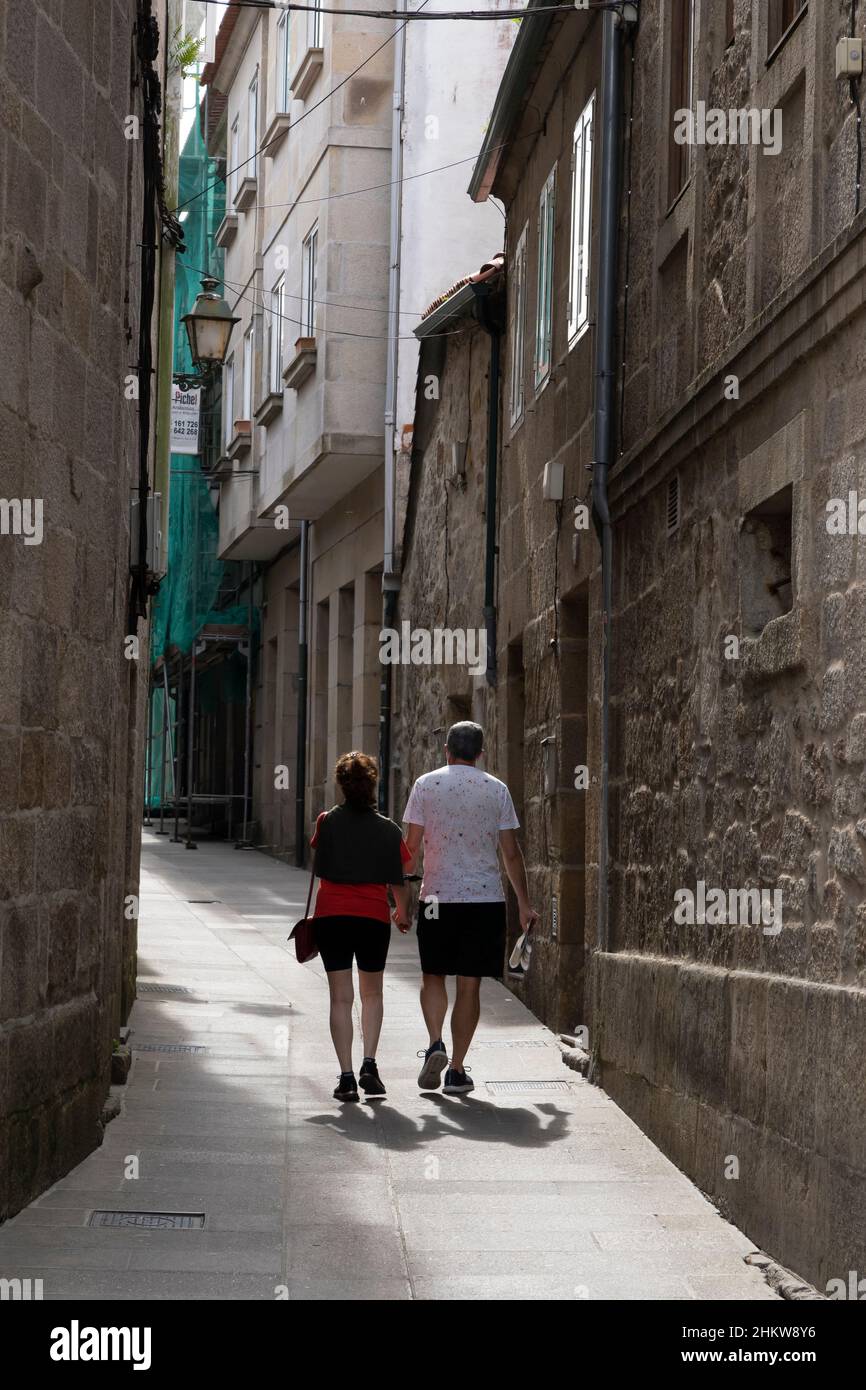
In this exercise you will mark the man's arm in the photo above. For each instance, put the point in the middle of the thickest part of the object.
(414, 838)
(515, 867)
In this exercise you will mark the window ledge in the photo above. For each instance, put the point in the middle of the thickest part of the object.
(246, 194)
(222, 470)
(242, 439)
(276, 133)
(302, 365)
(778, 650)
(227, 230)
(784, 37)
(270, 408)
(306, 72)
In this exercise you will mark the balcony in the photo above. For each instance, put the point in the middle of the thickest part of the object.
(306, 72)
(302, 365)
(227, 230)
(246, 194)
(276, 133)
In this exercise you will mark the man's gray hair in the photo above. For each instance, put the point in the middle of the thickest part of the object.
(465, 740)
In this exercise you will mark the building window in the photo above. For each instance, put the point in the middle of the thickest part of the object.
(275, 338)
(229, 399)
(544, 299)
(283, 53)
(252, 126)
(581, 222)
(314, 25)
(781, 16)
(310, 272)
(249, 349)
(517, 306)
(682, 79)
(766, 559)
(235, 156)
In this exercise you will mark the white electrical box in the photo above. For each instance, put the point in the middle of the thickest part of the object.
(154, 531)
(553, 481)
(458, 458)
(849, 58)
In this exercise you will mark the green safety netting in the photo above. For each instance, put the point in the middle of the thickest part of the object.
(189, 595)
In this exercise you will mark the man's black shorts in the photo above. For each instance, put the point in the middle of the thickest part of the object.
(343, 939)
(466, 939)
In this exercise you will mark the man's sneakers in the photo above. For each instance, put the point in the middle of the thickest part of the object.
(369, 1079)
(457, 1083)
(347, 1087)
(435, 1062)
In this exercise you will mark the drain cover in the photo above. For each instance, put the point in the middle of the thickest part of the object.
(509, 1087)
(202, 900)
(147, 987)
(149, 1220)
(513, 1042)
(168, 1047)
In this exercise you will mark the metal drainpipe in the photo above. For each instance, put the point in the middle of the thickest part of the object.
(495, 333)
(604, 410)
(303, 667)
(390, 577)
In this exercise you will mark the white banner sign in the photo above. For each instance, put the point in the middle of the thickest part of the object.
(185, 412)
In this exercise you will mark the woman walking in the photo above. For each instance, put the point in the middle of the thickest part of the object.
(358, 856)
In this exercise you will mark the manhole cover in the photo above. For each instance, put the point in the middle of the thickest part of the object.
(149, 1220)
(510, 1087)
(145, 987)
(168, 1047)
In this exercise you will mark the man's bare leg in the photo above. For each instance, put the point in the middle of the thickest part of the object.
(464, 1018)
(434, 1004)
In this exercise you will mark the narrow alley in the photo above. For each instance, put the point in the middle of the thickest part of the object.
(514, 1192)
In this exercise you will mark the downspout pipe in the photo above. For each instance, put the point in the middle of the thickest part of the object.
(605, 382)
(494, 331)
(303, 672)
(390, 576)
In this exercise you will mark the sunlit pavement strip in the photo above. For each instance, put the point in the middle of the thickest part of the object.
(545, 1196)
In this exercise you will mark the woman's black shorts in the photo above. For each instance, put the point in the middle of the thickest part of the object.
(466, 939)
(343, 939)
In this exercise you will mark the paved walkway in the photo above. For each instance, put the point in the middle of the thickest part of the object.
(522, 1194)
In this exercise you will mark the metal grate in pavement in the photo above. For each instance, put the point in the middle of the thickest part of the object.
(169, 1047)
(511, 1087)
(203, 900)
(148, 987)
(513, 1042)
(149, 1220)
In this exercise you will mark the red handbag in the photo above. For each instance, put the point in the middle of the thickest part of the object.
(303, 933)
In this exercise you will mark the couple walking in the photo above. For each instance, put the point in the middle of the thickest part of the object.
(461, 817)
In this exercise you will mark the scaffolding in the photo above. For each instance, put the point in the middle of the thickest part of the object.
(205, 621)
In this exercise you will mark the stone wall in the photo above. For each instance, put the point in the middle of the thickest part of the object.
(737, 658)
(69, 700)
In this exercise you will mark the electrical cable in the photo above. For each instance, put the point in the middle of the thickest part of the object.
(627, 264)
(855, 98)
(308, 111)
(521, 13)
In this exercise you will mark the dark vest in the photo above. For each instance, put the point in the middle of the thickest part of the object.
(358, 847)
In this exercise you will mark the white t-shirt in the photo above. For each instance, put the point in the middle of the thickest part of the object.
(462, 810)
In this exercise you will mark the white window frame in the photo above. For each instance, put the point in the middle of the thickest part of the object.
(235, 154)
(581, 222)
(251, 167)
(229, 399)
(249, 354)
(283, 60)
(309, 281)
(276, 337)
(544, 281)
(517, 300)
(314, 25)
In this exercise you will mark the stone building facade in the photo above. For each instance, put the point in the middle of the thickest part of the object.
(736, 693)
(71, 703)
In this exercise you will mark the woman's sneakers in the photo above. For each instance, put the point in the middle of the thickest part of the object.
(369, 1079)
(347, 1087)
(435, 1062)
(457, 1082)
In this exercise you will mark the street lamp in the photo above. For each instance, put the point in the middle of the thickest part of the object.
(209, 326)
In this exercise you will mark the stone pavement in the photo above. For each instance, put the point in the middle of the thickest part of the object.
(526, 1193)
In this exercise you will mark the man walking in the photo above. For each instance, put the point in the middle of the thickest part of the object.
(463, 816)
